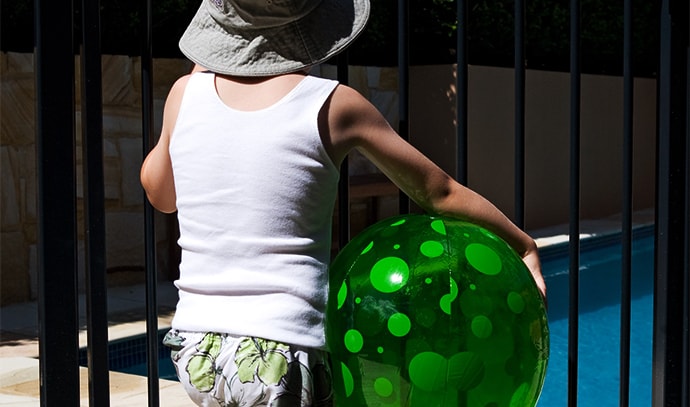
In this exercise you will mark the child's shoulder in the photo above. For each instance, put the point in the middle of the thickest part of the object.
(180, 83)
(178, 87)
(174, 99)
(347, 101)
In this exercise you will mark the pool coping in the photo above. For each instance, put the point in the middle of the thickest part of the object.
(594, 241)
(19, 386)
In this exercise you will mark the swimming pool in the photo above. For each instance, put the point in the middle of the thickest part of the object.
(128, 355)
(599, 324)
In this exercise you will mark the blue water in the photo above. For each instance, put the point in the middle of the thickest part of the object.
(599, 327)
(166, 369)
(128, 355)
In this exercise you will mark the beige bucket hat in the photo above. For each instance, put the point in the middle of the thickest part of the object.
(271, 37)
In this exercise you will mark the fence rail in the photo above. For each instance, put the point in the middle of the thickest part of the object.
(58, 311)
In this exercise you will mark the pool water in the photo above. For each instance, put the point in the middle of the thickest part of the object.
(166, 369)
(599, 329)
(128, 355)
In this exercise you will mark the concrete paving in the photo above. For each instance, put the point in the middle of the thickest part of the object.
(19, 366)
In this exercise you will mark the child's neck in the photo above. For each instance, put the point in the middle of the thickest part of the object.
(255, 93)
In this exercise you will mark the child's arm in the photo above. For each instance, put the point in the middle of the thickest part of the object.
(354, 123)
(156, 171)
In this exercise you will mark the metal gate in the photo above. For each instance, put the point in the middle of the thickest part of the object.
(57, 195)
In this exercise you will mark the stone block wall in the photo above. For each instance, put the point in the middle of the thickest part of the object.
(18, 175)
(432, 130)
(122, 157)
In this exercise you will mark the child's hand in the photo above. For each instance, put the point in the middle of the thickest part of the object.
(531, 259)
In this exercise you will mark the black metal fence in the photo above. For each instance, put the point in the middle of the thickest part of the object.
(58, 306)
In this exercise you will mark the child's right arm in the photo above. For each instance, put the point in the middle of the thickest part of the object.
(156, 171)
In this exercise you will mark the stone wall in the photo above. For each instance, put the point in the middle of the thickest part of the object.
(17, 171)
(122, 157)
(491, 132)
(432, 130)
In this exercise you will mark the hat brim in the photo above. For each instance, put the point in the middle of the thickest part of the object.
(315, 38)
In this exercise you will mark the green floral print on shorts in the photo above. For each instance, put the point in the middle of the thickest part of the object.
(222, 370)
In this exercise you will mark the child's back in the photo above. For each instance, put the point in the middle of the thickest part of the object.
(255, 191)
(249, 155)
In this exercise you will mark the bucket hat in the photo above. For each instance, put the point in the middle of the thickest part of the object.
(271, 37)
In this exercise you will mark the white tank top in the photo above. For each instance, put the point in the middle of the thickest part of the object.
(255, 196)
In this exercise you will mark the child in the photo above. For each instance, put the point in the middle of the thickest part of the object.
(248, 157)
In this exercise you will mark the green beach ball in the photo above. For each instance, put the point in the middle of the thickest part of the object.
(429, 311)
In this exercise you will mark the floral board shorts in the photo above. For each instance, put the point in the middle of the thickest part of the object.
(223, 370)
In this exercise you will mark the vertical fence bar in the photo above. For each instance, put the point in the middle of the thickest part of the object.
(461, 88)
(686, 346)
(519, 113)
(627, 206)
(94, 205)
(149, 228)
(403, 85)
(574, 245)
(344, 181)
(670, 358)
(55, 152)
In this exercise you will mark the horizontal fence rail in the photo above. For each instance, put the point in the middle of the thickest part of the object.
(57, 204)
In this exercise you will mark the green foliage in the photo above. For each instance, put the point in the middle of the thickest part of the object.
(122, 25)
(432, 31)
(16, 26)
(490, 33)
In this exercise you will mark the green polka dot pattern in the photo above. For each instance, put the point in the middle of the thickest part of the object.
(430, 311)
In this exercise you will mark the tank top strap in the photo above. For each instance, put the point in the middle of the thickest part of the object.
(318, 88)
